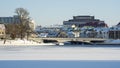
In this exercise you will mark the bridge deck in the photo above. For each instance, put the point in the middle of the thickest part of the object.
(68, 39)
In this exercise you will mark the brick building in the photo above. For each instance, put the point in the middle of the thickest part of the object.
(81, 21)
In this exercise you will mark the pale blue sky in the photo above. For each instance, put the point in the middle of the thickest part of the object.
(48, 12)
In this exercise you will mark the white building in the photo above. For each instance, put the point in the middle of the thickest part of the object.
(2, 30)
(32, 24)
(94, 32)
(43, 35)
(48, 31)
(102, 32)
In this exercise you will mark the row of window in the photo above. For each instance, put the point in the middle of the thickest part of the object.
(114, 34)
(9, 20)
(2, 33)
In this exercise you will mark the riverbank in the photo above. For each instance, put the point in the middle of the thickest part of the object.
(34, 41)
(19, 42)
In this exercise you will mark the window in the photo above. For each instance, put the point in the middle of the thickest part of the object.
(2, 32)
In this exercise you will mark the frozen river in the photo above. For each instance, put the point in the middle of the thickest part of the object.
(59, 53)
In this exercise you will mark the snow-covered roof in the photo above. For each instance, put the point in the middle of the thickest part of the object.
(115, 28)
(102, 29)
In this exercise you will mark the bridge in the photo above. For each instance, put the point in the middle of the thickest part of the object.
(67, 39)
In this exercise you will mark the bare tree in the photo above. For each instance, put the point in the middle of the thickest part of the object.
(23, 16)
(22, 13)
(12, 30)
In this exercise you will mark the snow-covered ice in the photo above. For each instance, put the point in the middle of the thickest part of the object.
(11, 51)
(58, 53)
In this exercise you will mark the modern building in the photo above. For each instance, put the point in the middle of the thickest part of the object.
(15, 19)
(7, 20)
(81, 21)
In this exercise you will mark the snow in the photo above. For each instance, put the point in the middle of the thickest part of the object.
(22, 42)
(17, 42)
(36, 52)
(58, 53)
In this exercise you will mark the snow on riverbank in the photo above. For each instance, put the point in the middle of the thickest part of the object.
(18, 42)
(22, 42)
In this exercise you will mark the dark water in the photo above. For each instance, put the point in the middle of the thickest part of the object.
(58, 64)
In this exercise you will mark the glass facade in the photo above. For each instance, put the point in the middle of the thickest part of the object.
(13, 19)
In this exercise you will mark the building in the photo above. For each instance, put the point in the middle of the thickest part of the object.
(32, 24)
(15, 19)
(47, 31)
(2, 30)
(114, 32)
(81, 21)
(7, 20)
(102, 32)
